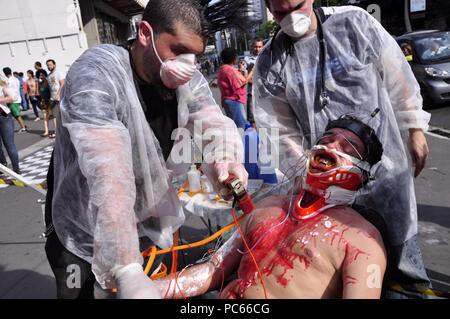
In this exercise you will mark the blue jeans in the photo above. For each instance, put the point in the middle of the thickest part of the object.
(235, 110)
(24, 100)
(36, 103)
(7, 138)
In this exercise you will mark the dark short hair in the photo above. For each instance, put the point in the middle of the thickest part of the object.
(7, 71)
(51, 60)
(257, 40)
(228, 55)
(38, 73)
(15, 72)
(373, 149)
(162, 14)
(38, 63)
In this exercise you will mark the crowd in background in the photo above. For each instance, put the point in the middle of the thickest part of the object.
(39, 91)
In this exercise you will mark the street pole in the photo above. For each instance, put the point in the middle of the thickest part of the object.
(406, 14)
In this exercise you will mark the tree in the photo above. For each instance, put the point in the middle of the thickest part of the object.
(268, 29)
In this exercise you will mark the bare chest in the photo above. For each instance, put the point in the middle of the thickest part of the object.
(292, 253)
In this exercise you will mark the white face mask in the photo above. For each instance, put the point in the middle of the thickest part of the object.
(296, 24)
(176, 71)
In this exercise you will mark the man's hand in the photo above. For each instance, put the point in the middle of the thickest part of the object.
(133, 283)
(219, 172)
(418, 148)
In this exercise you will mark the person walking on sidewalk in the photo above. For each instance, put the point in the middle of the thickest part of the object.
(7, 127)
(55, 82)
(14, 85)
(44, 91)
(23, 103)
(33, 94)
(250, 60)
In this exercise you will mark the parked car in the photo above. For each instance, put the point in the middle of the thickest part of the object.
(430, 63)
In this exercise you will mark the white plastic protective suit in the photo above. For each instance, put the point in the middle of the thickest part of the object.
(364, 69)
(112, 184)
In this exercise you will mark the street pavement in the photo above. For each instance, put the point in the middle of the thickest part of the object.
(25, 273)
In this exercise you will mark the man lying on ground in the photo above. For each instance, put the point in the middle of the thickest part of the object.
(313, 245)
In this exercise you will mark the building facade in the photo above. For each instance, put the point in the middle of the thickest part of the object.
(38, 30)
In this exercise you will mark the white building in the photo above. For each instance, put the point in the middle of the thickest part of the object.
(38, 30)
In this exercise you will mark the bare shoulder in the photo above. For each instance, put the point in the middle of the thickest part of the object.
(359, 229)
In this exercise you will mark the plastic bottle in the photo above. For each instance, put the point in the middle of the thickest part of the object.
(251, 147)
(206, 184)
(194, 181)
(266, 170)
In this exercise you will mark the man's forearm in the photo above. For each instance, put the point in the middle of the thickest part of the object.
(191, 282)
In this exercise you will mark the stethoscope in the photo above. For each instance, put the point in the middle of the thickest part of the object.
(324, 99)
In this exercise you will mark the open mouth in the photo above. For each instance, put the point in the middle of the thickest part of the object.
(323, 161)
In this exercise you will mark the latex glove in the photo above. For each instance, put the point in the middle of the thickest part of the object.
(219, 172)
(418, 148)
(133, 283)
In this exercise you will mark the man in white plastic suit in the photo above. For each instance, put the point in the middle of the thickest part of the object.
(110, 192)
(332, 61)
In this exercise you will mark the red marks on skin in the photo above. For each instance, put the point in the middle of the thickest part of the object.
(370, 236)
(275, 254)
(349, 280)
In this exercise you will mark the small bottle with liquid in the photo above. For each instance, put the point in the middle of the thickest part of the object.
(194, 181)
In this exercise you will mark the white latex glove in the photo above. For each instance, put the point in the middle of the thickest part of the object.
(219, 172)
(133, 283)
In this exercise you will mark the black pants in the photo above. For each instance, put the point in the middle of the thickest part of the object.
(74, 278)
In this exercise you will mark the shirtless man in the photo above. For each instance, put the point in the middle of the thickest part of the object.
(319, 249)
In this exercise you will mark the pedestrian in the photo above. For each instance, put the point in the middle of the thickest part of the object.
(232, 87)
(38, 68)
(338, 60)
(55, 82)
(33, 94)
(25, 91)
(7, 96)
(110, 194)
(257, 46)
(47, 110)
(14, 85)
(212, 66)
(23, 103)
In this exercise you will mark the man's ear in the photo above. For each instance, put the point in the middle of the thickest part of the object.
(145, 33)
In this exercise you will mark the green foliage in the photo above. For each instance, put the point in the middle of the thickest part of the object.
(268, 29)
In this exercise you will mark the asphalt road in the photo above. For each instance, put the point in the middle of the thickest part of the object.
(25, 273)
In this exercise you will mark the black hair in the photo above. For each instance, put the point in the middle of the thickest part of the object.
(21, 74)
(38, 73)
(7, 71)
(51, 60)
(162, 14)
(38, 64)
(228, 55)
(15, 72)
(31, 72)
(257, 40)
(373, 149)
